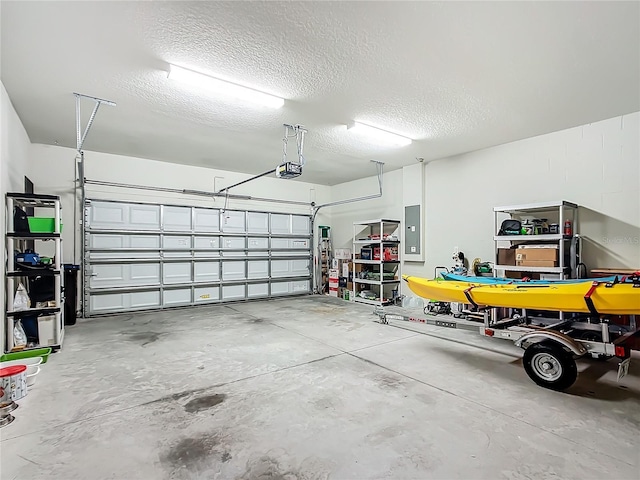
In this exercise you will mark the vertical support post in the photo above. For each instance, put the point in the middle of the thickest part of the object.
(78, 120)
(10, 282)
(83, 234)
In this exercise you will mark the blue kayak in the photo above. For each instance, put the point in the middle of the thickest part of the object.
(502, 281)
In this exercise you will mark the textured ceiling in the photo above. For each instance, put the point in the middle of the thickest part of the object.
(454, 76)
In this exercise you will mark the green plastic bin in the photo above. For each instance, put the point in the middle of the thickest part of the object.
(42, 224)
(36, 352)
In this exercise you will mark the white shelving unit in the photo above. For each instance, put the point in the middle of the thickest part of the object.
(555, 212)
(12, 273)
(380, 276)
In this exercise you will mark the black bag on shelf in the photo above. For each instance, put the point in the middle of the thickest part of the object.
(510, 227)
(20, 221)
(42, 289)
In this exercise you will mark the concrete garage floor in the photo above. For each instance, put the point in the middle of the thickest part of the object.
(310, 388)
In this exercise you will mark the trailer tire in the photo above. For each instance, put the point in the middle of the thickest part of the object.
(550, 366)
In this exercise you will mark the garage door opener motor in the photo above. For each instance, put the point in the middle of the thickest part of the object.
(289, 169)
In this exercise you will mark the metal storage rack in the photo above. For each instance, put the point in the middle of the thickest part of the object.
(379, 233)
(325, 256)
(30, 200)
(558, 212)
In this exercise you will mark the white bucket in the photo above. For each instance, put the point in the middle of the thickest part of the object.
(13, 383)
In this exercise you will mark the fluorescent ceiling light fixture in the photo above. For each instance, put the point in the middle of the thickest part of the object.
(224, 88)
(380, 136)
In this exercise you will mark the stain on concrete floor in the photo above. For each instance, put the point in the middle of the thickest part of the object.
(144, 338)
(195, 454)
(204, 402)
(267, 468)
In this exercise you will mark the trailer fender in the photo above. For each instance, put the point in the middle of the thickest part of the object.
(541, 336)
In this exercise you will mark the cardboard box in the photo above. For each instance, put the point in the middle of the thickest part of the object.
(536, 255)
(354, 270)
(506, 256)
(342, 253)
(366, 253)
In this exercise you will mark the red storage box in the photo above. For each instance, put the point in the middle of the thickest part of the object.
(390, 253)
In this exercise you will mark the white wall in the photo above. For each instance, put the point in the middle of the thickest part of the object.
(388, 206)
(53, 170)
(596, 166)
(14, 154)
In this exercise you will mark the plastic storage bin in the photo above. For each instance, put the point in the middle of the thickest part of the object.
(42, 224)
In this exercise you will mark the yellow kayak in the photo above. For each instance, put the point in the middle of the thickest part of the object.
(619, 299)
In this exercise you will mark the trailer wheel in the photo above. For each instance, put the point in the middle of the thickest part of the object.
(550, 366)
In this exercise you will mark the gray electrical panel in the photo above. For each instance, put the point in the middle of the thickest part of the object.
(412, 232)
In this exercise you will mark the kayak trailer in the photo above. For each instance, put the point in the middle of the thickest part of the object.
(551, 345)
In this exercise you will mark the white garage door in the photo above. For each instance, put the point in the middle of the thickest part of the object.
(143, 256)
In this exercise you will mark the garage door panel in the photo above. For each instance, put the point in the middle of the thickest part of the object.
(144, 273)
(144, 217)
(280, 268)
(293, 246)
(124, 275)
(233, 270)
(233, 222)
(104, 240)
(233, 246)
(206, 243)
(299, 268)
(176, 219)
(258, 290)
(125, 255)
(118, 302)
(300, 286)
(107, 215)
(123, 216)
(280, 288)
(288, 288)
(258, 269)
(258, 243)
(176, 272)
(108, 275)
(144, 241)
(177, 241)
(142, 256)
(122, 246)
(206, 247)
(206, 294)
(257, 222)
(300, 225)
(180, 296)
(206, 220)
(206, 271)
(233, 292)
(280, 224)
(258, 247)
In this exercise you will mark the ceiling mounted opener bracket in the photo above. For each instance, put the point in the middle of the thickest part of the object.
(80, 136)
